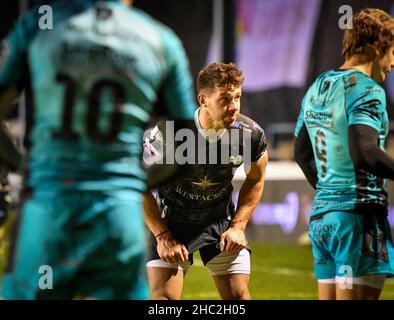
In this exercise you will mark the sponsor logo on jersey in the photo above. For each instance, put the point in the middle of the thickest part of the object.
(201, 197)
(317, 115)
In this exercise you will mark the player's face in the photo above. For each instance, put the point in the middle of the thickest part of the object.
(383, 65)
(223, 105)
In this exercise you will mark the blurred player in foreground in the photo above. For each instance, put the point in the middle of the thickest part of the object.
(339, 146)
(195, 211)
(95, 79)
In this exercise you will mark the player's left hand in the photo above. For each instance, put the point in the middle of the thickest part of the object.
(233, 240)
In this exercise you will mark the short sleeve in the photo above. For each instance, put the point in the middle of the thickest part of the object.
(366, 105)
(259, 142)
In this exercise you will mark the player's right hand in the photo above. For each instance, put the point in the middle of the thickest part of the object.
(170, 250)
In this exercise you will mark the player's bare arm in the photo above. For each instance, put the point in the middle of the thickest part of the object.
(169, 249)
(233, 240)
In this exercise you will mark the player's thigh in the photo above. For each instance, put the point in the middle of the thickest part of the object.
(231, 274)
(165, 283)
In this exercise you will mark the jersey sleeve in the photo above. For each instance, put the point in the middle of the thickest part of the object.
(259, 142)
(366, 104)
(177, 93)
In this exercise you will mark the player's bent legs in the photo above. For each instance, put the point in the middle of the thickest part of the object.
(230, 272)
(166, 279)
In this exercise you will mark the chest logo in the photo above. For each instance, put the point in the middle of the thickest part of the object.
(205, 183)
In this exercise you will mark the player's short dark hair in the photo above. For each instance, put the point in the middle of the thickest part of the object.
(370, 26)
(219, 75)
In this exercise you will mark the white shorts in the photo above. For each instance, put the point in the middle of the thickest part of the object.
(374, 281)
(222, 264)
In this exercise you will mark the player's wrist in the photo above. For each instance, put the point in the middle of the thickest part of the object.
(165, 237)
(238, 225)
(161, 234)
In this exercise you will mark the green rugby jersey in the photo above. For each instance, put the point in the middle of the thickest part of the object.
(336, 100)
(96, 78)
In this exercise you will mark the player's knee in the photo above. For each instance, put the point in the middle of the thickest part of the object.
(241, 294)
(238, 292)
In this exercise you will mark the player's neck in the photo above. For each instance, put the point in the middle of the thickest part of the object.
(359, 62)
(207, 123)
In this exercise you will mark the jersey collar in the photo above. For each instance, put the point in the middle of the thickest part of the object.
(209, 138)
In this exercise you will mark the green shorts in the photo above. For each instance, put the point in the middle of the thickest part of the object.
(344, 242)
(78, 245)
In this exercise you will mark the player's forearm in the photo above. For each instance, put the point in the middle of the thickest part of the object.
(152, 215)
(377, 162)
(249, 197)
(366, 154)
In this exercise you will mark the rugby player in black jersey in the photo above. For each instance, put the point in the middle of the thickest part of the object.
(195, 211)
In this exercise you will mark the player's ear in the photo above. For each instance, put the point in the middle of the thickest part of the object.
(202, 100)
(374, 51)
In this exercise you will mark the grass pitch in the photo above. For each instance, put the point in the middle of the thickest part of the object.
(278, 273)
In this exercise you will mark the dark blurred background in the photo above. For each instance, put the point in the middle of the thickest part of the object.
(281, 45)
